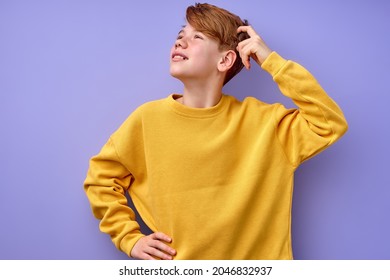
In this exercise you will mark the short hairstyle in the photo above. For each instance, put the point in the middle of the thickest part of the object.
(221, 25)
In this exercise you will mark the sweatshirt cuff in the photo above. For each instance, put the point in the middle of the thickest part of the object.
(273, 63)
(128, 242)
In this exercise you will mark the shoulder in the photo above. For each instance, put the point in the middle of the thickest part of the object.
(253, 109)
(149, 107)
(253, 104)
(146, 109)
(134, 120)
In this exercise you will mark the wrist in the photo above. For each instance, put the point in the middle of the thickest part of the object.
(274, 63)
(262, 56)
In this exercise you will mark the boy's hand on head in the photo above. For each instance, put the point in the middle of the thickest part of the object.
(152, 247)
(254, 47)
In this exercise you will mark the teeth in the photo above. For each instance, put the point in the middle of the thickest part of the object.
(179, 57)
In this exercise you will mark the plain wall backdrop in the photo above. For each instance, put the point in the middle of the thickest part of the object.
(72, 71)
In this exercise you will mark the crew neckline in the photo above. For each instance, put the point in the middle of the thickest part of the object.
(191, 112)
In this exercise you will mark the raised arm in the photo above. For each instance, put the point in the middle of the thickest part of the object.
(317, 123)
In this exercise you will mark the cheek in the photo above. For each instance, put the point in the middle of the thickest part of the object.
(207, 59)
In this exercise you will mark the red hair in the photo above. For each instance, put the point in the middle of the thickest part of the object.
(221, 25)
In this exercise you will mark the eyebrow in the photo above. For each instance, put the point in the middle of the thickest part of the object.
(181, 30)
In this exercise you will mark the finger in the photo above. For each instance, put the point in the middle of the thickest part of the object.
(159, 245)
(249, 50)
(150, 249)
(245, 60)
(156, 243)
(146, 256)
(161, 236)
(165, 248)
(248, 29)
(242, 44)
(244, 54)
(154, 252)
(247, 63)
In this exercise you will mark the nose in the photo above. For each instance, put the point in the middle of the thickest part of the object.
(181, 43)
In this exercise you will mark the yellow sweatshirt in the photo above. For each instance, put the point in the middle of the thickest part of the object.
(218, 180)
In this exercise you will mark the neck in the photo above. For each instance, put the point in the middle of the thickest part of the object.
(201, 96)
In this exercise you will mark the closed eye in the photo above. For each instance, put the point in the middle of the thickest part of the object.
(198, 37)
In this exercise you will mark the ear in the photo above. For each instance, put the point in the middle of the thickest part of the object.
(227, 60)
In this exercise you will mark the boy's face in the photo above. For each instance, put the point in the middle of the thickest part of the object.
(194, 55)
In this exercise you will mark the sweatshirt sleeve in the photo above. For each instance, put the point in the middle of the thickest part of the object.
(316, 124)
(105, 185)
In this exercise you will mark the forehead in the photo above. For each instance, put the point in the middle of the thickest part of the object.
(186, 28)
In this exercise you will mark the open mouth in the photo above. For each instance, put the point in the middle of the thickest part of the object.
(178, 56)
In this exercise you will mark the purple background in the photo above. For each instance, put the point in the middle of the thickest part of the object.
(71, 72)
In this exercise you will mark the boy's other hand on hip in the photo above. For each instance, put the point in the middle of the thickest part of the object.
(153, 247)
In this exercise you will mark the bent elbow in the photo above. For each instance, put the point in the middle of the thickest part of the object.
(339, 129)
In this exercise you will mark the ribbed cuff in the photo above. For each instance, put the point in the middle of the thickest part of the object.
(273, 63)
(128, 242)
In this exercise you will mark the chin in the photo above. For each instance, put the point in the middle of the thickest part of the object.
(176, 74)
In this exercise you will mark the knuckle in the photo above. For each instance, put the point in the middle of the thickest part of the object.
(155, 235)
(152, 243)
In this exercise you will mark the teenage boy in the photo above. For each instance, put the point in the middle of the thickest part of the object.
(212, 176)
